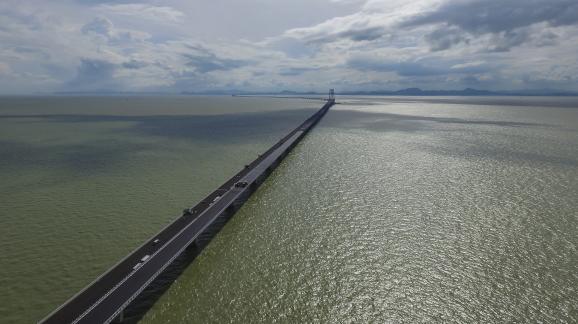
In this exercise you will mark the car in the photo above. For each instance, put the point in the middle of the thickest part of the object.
(144, 258)
(241, 184)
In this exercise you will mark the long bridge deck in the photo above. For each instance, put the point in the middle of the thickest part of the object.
(107, 296)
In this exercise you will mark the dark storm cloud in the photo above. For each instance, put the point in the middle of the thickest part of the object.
(494, 16)
(507, 20)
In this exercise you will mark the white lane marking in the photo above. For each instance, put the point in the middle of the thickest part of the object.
(270, 158)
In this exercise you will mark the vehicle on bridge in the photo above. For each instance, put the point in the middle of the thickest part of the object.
(241, 184)
(187, 211)
(106, 298)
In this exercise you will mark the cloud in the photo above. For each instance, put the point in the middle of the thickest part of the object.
(357, 27)
(94, 74)
(424, 68)
(32, 52)
(377, 19)
(494, 16)
(448, 24)
(401, 68)
(509, 22)
(94, 2)
(444, 38)
(204, 61)
(143, 11)
(134, 64)
(471, 67)
(4, 69)
(83, 45)
(504, 41)
(363, 34)
(100, 26)
(104, 28)
(293, 71)
(546, 38)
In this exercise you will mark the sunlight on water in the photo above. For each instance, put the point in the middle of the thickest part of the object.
(85, 180)
(404, 210)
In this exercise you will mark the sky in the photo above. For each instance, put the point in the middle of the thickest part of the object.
(272, 45)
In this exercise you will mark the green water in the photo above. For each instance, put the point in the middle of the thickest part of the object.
(391, 210)
(85, 180)
(397, 210)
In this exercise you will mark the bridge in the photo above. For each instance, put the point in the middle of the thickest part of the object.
(105, 298)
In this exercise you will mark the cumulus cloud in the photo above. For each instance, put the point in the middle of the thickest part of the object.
(143, 11)
(416, 68)
(104, 28)
(203, 60)
(94, 74)
(357, 27)
(100, 26)
(471, 67)
(447, 23)
(401, 68)
(376, 19)
(292, 71)
(31, 52)
(494, 16)
(508, 21)
(134, 64)
(444, 38)
(89, 45)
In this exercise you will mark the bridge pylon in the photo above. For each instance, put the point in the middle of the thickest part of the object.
(331, 95)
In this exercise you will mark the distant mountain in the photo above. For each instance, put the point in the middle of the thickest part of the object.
(539, 92)
(403, 92)
(406, 92)
(287, 92)
(464, 92)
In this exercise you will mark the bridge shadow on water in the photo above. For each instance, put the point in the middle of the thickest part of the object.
(147, 299)
(86, 144)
